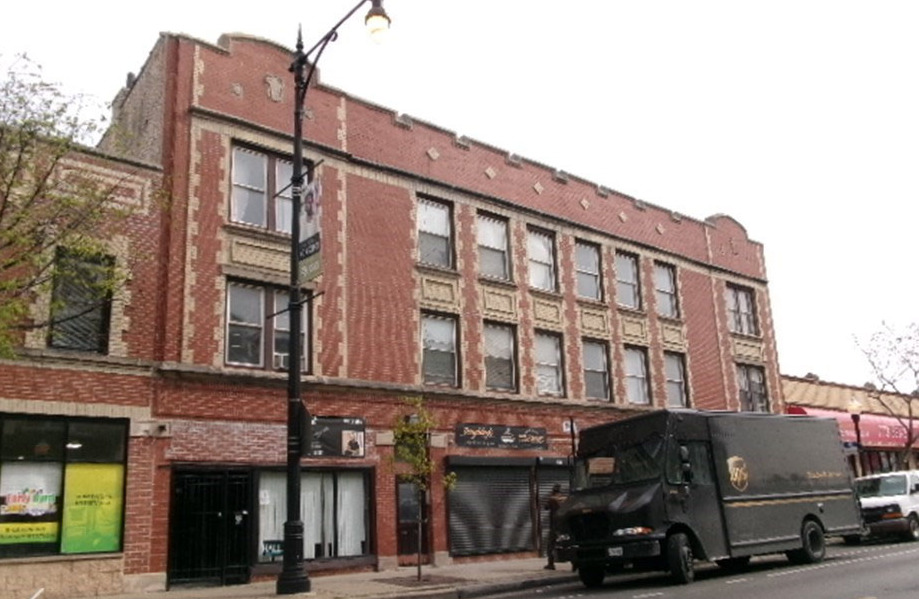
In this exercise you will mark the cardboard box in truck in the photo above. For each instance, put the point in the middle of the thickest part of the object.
(661, 490)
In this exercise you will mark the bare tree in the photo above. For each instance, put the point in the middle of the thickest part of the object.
(893, 354)
(49, 202)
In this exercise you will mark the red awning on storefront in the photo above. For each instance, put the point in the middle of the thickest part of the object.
(876, 431)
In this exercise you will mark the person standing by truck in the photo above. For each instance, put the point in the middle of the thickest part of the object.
(553, 501)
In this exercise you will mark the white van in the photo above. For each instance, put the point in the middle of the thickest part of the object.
(890, 503)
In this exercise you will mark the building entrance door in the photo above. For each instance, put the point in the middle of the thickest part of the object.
(210, 526)
(410, 508)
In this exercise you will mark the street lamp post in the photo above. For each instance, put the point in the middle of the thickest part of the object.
(855, 412)
(293, 577)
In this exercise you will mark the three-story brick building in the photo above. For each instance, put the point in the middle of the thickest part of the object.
(517, 300)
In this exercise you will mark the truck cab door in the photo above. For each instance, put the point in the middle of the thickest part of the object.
(692, 495)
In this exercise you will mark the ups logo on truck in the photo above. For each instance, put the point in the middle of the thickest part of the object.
(737, 470)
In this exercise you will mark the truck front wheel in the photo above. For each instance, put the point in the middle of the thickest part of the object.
(591, 576)
(813, 545)
(679, 559)
(912, 532)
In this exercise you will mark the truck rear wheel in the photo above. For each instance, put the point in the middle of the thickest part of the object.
(679, 559)
(591, 576)
(813, 545)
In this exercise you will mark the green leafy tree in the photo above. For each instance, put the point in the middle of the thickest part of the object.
(412, 457)
(893, 355)
(48, 202)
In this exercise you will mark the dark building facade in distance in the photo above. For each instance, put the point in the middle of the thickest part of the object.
(517, 301)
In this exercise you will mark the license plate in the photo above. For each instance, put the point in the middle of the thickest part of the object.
(614, 551)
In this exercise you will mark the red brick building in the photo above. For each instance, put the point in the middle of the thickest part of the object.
(514, 298)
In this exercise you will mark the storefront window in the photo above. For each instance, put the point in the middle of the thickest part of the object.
(61, 485)
(334, 509)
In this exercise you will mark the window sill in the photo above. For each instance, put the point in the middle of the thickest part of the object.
(256, 232)
(592, 303)
(638, 312)
(434, 269)
(495, 282)
(545, 293)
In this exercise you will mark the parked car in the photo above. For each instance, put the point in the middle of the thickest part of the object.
(890, 504)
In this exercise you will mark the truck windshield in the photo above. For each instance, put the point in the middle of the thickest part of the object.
(882, 486)
(621, 463)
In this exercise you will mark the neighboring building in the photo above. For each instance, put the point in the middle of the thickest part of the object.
(516, 299)
(881, 431)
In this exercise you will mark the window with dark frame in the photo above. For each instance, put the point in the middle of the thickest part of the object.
(549, 377)
(258, 327)
(500, 357)
(435, 233)
(439, 350)
(261, 194)
(541, 254)
(587, 265)
(741, 310)
(665, 291)
(48, 467)
(636, 376)
(752, 383)
(596, 369)
(492, 238)
(81, 302)
(628, 287)
(675, 373)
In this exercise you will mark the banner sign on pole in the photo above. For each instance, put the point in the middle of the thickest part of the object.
(309, 246)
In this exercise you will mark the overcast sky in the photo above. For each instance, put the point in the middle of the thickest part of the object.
(799, 118)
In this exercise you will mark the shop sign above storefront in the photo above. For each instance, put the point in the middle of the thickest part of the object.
(499, 435)
(336, 437)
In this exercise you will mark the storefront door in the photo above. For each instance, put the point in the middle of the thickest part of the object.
(210, 526)
(410, 508)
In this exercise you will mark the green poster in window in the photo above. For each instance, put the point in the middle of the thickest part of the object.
(93, 508)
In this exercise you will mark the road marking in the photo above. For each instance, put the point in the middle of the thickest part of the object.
(648, 595)
(736, 580)
(833, 563)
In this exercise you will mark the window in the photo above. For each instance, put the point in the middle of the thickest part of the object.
(587, 257)
(628, 290)
(596, 370)
(549, 364)
(674, 370)
(752, 383)
(741, 317)
(438, 340)
(61, 485)
(636, 376)
(81, 302)
(435, 243)
(258, 327)
(261, 193)
(500, 358)
(665, 290)
(334, 508)
(493, 254)
(541, 251)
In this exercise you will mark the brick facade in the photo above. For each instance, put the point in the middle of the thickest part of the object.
(191, 105)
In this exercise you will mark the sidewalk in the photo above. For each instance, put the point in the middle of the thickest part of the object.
(462, 581)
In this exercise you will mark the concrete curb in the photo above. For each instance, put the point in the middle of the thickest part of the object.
(483, 590)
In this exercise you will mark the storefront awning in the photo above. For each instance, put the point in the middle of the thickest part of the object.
(876, 431)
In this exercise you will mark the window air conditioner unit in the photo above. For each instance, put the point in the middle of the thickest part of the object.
(282, 361)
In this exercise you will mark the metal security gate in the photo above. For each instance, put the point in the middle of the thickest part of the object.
(549, 471)
(492, 509)
(210, 527)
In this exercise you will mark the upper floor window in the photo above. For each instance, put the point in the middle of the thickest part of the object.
(741, 310)
(665, 290)
(439, 343)
(258, 327)
(491, 233)
(261, 190)
(596, 370)
(435, 236)
(541, 252)
(675, 372)
(500, 357)
(587, 263)
(81, 302)
(628, 289)
(636, 376)
(549, 380)
(752, 383)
